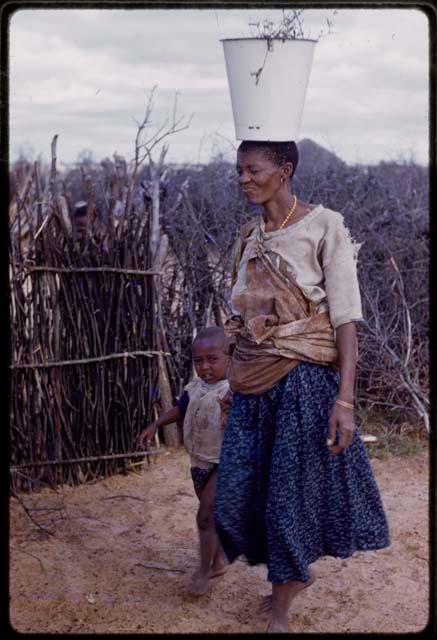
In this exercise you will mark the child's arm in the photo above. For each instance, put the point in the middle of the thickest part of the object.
(172, 415)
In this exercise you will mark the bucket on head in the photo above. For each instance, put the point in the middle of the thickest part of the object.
(268, 79)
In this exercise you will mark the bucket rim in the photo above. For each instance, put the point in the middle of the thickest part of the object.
(277, 39)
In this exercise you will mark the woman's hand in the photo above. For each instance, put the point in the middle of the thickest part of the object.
(341, 423)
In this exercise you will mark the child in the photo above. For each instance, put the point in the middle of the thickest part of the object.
(203, 407)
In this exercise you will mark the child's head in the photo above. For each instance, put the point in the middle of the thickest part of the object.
(209, 357)
(81, 218)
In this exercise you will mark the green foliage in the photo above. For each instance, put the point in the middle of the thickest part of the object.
(394, 438)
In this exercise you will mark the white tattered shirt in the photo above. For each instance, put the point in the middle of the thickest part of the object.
(321, 256)
(203, 430)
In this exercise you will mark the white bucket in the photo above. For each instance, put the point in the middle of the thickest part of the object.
(268, 80)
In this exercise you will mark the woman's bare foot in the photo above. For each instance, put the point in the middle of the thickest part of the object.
(265, 608)
(279, 624)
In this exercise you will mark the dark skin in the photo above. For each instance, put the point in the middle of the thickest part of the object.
(210, 362)
(268, 184)
(81, 226)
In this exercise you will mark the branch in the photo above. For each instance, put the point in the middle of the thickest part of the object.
(129, 272)
(123, 495)
(66, 363)
(400, 283)
(33, 556)
(161, 567)
(29, 515)
(43, 225)
(53, 168)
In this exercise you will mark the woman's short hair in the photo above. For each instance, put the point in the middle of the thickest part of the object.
(277, 152)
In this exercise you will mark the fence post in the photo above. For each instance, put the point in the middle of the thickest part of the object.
(171, 431)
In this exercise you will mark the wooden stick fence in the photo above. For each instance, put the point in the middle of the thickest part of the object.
(83, 309)
(110, 356)
(117, 456)
(84, 360)
(128, 272)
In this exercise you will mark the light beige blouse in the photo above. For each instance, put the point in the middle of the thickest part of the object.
(321, 256)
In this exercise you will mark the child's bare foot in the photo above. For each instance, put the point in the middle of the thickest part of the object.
(199, 583)
(219, 566)
(200, 579)
(265, 608)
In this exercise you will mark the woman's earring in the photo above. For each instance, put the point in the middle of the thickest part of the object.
(282, 179)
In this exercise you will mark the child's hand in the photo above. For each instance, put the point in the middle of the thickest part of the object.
(147, 434)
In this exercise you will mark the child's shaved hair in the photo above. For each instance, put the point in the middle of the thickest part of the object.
(215, 334)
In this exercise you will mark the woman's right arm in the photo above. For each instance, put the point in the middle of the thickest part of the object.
(344, 301)
(341, 420)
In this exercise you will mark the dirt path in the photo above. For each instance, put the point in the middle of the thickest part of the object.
(123, 549)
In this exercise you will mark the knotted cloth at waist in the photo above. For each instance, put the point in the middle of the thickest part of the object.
(264, 352)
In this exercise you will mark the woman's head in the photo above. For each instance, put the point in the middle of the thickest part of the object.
(264, 168)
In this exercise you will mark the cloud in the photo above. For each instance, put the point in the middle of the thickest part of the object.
(85, 74)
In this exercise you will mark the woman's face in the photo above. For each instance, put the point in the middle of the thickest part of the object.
(259, 177)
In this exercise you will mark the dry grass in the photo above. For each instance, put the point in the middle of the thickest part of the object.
(399, 439)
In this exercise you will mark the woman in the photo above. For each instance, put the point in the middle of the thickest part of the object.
(294, 481)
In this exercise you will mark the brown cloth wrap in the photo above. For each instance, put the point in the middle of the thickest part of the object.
(267, 342)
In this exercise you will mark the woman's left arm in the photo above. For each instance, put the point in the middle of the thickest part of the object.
(341, 421)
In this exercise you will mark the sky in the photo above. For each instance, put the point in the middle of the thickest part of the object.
(86, 75)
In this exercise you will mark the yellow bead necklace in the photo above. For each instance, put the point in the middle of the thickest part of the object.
(290, 213)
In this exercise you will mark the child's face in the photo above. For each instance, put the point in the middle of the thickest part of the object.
(81, 226)
(209, 360)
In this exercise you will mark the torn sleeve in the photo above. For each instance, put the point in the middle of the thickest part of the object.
(339, 261)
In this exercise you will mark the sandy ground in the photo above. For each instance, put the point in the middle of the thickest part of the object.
(123, 548)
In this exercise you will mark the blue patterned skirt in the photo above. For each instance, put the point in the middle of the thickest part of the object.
(282, 499)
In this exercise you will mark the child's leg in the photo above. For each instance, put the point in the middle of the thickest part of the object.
(211, 561)
(220, 561)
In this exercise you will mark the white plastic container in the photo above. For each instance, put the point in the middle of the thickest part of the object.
(268, 80)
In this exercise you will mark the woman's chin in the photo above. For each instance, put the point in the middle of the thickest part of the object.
(251, 197)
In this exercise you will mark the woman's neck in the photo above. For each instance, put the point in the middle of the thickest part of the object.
(275, 211)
